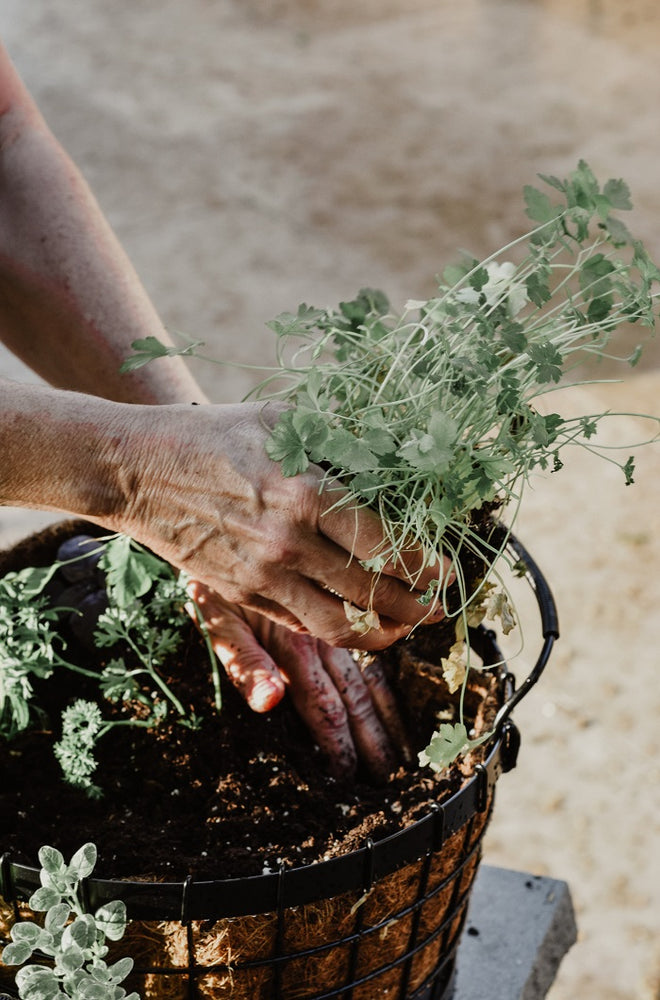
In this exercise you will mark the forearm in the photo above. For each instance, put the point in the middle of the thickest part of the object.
(72, 302)
(60, 451)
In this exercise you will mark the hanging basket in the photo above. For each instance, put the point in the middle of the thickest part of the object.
(381, 921)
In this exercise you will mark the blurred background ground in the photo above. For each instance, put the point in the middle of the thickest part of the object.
(253, 154)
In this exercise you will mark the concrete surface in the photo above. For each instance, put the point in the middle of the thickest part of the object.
(519, 928)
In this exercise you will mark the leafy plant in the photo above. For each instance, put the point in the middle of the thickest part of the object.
(27, 648)
(429, 415)
(434, 416)
(73, 940)
(139, 612)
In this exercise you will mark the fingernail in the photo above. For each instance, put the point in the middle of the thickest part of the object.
(265, 695)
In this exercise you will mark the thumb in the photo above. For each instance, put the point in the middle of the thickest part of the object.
(247, 664)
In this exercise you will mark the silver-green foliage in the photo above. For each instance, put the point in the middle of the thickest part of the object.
(74, 942)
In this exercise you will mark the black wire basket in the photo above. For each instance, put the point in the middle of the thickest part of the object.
(382, 921)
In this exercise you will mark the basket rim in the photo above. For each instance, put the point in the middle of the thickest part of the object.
(355, 871)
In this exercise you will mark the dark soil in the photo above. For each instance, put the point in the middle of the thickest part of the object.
(241, 795)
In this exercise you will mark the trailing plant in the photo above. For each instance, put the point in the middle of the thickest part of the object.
(73, 941)
(429, 415)
(435, 416)
(102, 593)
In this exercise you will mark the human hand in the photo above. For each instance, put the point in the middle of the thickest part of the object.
(351, 714)
(202, 493)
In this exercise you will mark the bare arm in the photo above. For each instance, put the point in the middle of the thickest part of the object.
(71, 306)
(71, 300)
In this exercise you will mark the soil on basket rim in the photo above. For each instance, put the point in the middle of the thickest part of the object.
(242, 795)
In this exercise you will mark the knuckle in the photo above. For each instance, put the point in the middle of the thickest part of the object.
(358, 703)
(302, 495)
(309, 499)
(280, 549)
(238, 594)
(299, 489)
(294, 646)
(388, 591)
(332, 712)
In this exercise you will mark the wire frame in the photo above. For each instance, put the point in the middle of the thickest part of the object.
(371, 948)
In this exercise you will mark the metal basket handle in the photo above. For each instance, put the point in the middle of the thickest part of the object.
(549, 623)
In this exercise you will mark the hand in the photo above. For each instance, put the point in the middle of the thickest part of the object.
(350, 714)
(202, 493)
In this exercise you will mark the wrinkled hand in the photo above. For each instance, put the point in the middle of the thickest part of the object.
(202, 493)
(351, 714)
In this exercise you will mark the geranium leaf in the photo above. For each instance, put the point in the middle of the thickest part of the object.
(286, 447)
(617, 193)
(350, 453)
(448, 743)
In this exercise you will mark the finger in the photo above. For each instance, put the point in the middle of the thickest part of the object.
(360, 531)
(320, 561)
(308, 608)
(327, 690)
(320, 613)
(250, 668)
(386, 707)
(370, 738)
(317, 700)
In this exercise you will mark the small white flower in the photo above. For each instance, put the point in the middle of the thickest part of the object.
(361, 621)
(497, 606)
(454, 668)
